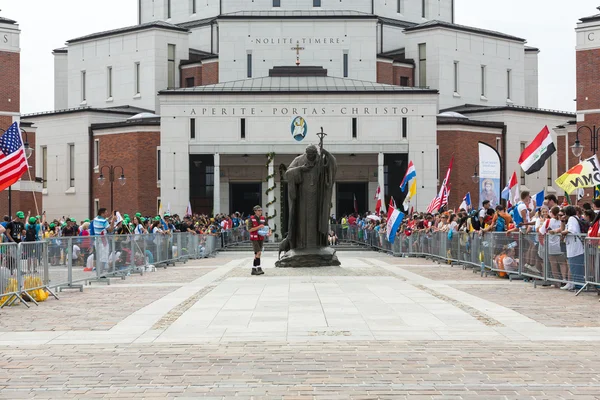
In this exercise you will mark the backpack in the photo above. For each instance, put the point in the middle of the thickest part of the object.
(30, 233)
(475, 222)
(516, 215)
(450, 234)
(584, 226)
(500, 224)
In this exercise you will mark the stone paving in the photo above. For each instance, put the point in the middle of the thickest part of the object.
(377, 327)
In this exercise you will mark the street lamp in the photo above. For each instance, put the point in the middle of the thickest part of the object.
(475, 177)
(111, 179)
(577, 148)
(28, 152)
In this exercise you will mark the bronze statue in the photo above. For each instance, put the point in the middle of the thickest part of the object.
(310, 178)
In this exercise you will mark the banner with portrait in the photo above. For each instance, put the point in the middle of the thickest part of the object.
(489, 175)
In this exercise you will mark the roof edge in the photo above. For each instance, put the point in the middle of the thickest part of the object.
(464, 109)
(435, 24)
(128, 29)
(81, 109)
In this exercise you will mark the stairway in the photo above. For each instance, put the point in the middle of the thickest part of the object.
(247, 247)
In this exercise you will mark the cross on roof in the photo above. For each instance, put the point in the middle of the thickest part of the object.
(297, 48)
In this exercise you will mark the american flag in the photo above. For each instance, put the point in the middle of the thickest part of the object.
(13, 162)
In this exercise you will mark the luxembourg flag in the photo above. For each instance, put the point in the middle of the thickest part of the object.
(394, 220)
(535, 155)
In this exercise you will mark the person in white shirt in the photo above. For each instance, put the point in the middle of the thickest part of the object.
(551, 230)
(483, 212)
(575, 250)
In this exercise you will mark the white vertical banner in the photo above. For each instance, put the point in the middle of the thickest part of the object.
(489, 175)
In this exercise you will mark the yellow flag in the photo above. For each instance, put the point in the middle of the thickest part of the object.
(583, 175)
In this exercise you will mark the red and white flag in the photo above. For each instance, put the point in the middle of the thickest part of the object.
(511, 192)
(379, 198)
(13, 161)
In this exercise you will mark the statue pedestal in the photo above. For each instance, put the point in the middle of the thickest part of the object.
(320, 257)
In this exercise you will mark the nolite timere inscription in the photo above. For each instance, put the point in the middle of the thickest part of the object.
(281, 111)
(330, 40)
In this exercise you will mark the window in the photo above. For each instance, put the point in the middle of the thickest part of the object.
(189, 82)
(404, 127)
(483, 76)
(508, 83)
(523, 145)
(243, 128)
(423, 8)
(404, 81)
(136, 73)
(193, 6)
(455, 76)
(209, 176)
(550, 180)
(171, 69)
(158, 164)
(96, 153)
(168, 9)
(192, 128)
(44, 167)
(276, 3)
(109, 82)
(83, 82)
(71, 165)
(354, 128)
(399, 7)
(249, 65)
(316, 3)
(422, 64)
(345, 67)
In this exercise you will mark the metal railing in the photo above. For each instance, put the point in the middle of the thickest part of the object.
(31, 271)
(516, 255)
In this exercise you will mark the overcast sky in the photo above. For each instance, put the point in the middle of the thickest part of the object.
(548, 25)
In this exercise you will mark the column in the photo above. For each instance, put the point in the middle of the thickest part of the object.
(381, 176)
(217, 185)
(271, 197)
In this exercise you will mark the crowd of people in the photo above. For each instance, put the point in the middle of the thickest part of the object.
(562, 226)
(29, 228)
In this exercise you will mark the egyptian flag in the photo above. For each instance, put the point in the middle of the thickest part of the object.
(535, 155)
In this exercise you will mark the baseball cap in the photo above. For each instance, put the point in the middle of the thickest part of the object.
(52, 226)
(20, 214)
(32, 220)
(256, 208)
(73, 220)
(138, 214)
(86, 220)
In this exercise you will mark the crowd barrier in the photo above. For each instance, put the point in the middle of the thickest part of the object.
(31, 271)
(513, 255)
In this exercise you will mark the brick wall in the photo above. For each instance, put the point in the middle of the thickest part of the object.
(10, 98)
(136, 153)
(21, 201)
(385, 73)
(464, 147)
(210, 73)
(191, 72)
(404, 71)
(588, 85)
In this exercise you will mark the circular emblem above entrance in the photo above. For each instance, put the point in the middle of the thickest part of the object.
(299, 128)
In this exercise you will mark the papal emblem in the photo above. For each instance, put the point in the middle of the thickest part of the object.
(299, 128)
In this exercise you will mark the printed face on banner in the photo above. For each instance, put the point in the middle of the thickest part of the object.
(489, 189)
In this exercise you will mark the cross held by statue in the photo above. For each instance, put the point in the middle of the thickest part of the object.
(297, 48)
(321, 135)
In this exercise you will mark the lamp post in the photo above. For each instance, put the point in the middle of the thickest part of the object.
(28, 153)
(111, 179)
(577, 148)
(475, 177)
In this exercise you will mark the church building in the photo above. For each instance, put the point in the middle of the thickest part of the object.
(207, 101)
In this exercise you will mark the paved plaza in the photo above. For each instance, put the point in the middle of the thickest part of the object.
(377, 327)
